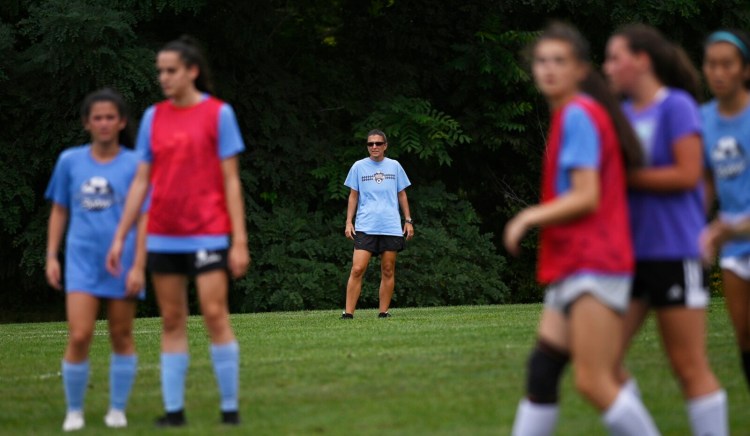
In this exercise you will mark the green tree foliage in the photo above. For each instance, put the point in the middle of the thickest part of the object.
(448, 82)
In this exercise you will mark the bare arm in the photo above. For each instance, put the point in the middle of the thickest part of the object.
(580, 200)
(685, 174)
(403, 201)
(136, 276)
(710, 192)
(239, 253)
(133, 203)
(351, 209)
(58, 220)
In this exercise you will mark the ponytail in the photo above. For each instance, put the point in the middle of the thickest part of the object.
(595, 86)
(669, 62)
(192, 55)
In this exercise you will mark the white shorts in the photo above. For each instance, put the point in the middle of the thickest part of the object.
(739, 265)
(611, 290)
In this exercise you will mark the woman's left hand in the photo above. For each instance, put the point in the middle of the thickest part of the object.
(134, 282)
(409, 231)
(239, 260)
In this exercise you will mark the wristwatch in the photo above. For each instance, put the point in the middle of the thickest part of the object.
(409, 221)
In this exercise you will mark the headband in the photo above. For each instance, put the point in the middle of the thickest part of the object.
(724, 36)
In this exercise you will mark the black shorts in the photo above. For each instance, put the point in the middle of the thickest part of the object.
(189, 264)
(670, 283)
(377, 244)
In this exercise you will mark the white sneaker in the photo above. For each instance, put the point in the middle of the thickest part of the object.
(116, 419)
(73, 421)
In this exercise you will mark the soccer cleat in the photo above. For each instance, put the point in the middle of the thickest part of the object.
(347, 316)
(230, 418)
(73, 421)
(116, 419)
(172, 419)
(384, 315)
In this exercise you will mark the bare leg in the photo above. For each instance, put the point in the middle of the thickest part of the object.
(81, 309)
(633, 320)
(595, 336)
(360, 260)
(212, 293)
(171, 294)
(120, 314)
(387, 279)
(683, 332)
(737, 293)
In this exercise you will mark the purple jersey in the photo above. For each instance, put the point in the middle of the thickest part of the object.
(665, 225)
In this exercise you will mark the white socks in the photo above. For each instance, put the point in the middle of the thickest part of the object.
(708, 414)
(533, 419)
(632, 386)
(627, 417)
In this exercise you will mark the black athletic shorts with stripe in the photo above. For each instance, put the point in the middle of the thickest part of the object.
(671, 283)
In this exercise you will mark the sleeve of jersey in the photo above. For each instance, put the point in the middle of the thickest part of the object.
(581, 144)
(683, 117)
(402, 180)
(143, 141)
(230, 139)
(352, 179)
(57, 190)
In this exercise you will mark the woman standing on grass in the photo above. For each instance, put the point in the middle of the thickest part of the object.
(667, 213)
(189, 145)
(377, 188)
(585, 256)
(87, 190)
(726, 137)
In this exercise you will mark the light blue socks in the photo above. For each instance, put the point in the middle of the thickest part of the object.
(75, 379)
(226, 359)
(173, 371)
(122, 369)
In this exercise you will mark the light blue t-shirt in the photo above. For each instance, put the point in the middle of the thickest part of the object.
(726, 143)
(94, 194)
(378, 185)
(580, 146)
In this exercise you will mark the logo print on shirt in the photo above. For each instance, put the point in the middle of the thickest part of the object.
(97, 194)
(728, 158)
(378, 177)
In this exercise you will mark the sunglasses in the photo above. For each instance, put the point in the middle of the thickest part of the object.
(373, 144)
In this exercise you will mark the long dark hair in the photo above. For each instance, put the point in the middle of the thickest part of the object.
(114, 97)
(670, 63)
(191, 55)
(743, 49)
(595, 86)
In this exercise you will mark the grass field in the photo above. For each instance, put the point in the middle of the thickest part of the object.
(424, 371)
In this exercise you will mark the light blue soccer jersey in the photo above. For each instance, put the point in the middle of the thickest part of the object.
(378, 185)
(94, 194)
(726, 143)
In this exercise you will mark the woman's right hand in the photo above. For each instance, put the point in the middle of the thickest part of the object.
(52, 272)
(113, 257)
(349, 231)
(712, 238)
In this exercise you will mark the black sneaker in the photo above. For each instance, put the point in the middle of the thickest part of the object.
(230, 418)
(347, 316)
(172, 419)
(384, 315)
